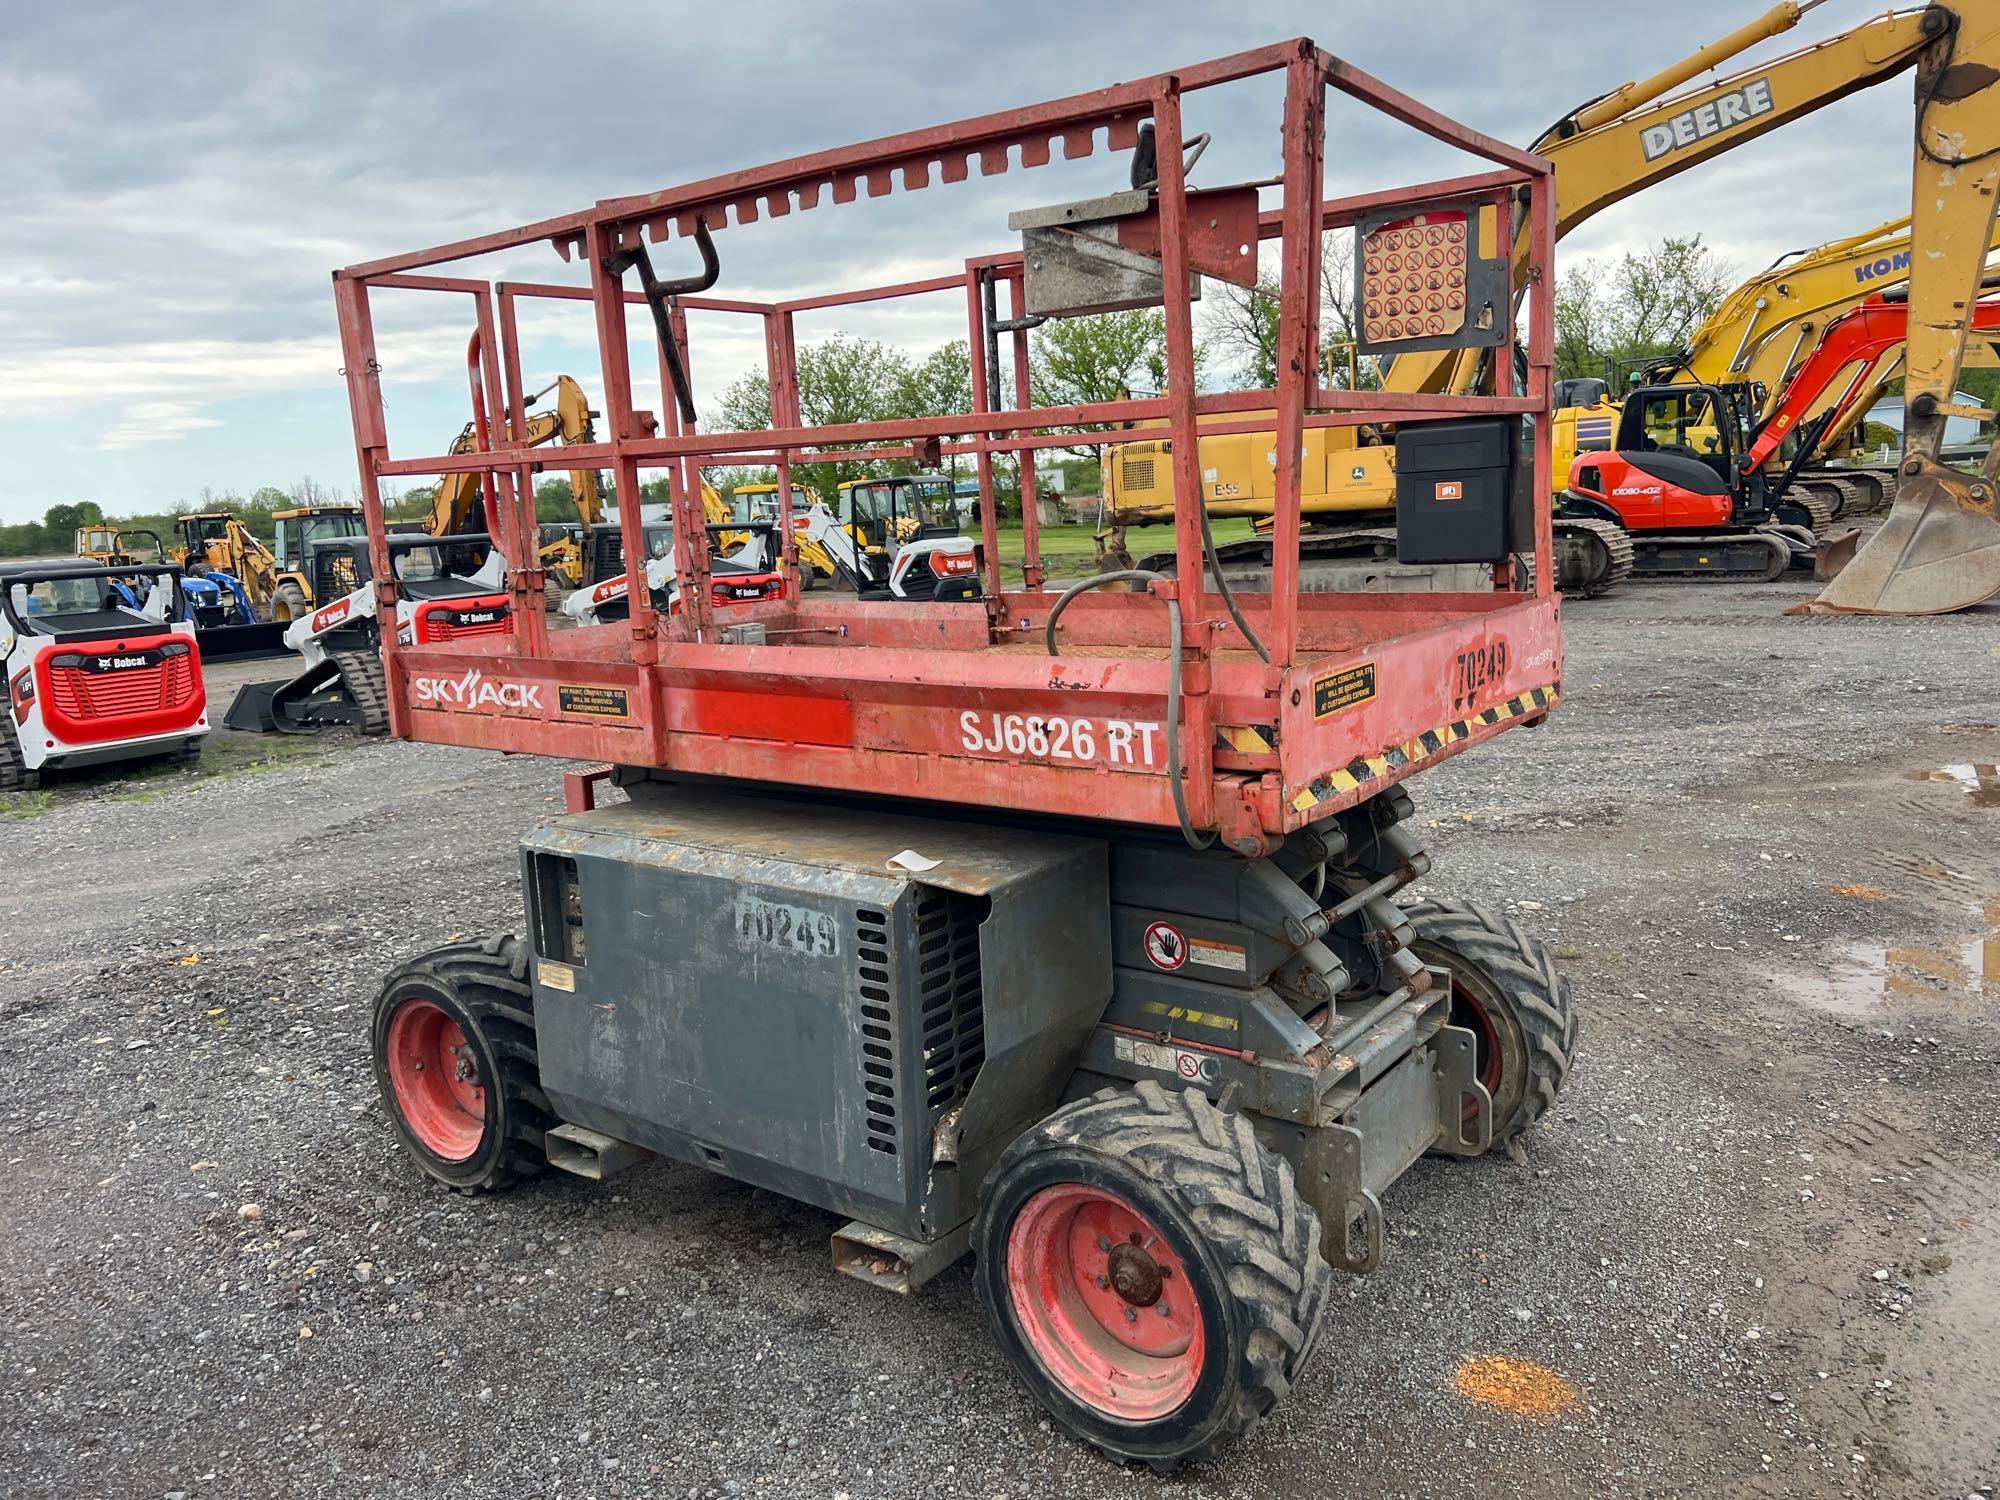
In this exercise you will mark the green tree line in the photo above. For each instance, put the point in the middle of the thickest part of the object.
(55, 534)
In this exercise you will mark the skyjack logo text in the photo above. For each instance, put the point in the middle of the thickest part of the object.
(474, 691)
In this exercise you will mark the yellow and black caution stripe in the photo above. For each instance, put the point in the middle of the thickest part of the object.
(1363, 769)
(1245, 739)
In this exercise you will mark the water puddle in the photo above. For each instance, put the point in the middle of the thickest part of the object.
(1981, 783)
(1862, 976)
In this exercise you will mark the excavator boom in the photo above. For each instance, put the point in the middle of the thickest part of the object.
(1853, 347)
(1642, 133)
(1939, 550)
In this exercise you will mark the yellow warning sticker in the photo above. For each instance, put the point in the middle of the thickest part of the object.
(593, 702)
(1343, 689)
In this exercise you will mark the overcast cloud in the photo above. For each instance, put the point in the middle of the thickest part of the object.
(181, 179)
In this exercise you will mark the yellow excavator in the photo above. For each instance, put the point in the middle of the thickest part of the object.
(583, 553)
(759, 502)
(1939, 550)
(1606, 150)
(459, 505)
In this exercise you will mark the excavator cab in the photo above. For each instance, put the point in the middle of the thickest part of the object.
(885, 514)
(1682, 436)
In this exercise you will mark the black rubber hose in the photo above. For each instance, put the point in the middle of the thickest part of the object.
(1228, 594)
(1145, 575)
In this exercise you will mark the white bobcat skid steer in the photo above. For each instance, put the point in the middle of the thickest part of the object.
(897, 538)
(90, 678)
(742, 576)
(342, 682)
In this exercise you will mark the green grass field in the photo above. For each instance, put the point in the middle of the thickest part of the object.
(1071, 551)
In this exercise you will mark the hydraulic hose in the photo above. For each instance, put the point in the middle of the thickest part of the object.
(1228, 594)
(1146, 575)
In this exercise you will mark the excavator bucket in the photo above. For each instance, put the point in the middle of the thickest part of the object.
(1831, 554)
(1939, 550)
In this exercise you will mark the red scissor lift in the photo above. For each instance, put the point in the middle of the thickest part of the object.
(1076, 905)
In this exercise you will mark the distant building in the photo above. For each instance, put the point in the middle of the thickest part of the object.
(1957, 430)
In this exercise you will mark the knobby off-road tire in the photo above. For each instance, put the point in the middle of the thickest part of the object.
(455, 1059)
(1150, 1271)
(288, 603)
(1506, 991)
(14, 773)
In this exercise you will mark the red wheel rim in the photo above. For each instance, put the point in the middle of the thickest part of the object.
(1466, 1011)
(436, 1079)
(1104, 1302)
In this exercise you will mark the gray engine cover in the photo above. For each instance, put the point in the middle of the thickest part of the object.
(762, 991)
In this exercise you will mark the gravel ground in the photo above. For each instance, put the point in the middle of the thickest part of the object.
(1760, 1235)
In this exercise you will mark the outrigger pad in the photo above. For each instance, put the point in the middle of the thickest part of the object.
(1939, 551)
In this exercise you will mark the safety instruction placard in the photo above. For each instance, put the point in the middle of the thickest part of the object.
(1343, 689)
(594, 702)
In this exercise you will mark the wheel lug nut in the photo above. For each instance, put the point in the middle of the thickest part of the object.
(1165, 1311)
(1104, 1242)
(1103, 1283)
(1131, 1315)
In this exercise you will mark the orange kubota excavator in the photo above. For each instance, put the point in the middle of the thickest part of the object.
(1687, 477)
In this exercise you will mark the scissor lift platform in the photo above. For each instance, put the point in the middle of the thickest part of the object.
(927, 702)
(963, 702)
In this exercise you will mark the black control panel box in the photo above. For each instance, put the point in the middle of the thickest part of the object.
(1458, 493)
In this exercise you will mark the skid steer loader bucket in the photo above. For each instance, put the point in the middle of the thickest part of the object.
(1939, 550)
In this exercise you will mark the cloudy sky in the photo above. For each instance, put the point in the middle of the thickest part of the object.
(180, 179)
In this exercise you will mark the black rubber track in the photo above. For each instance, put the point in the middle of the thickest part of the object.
(1537, 1000)
(1818, 509)
(486, 982)
(361, 671)
(1615, 546)
(1251, 1229)
(14, 773)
